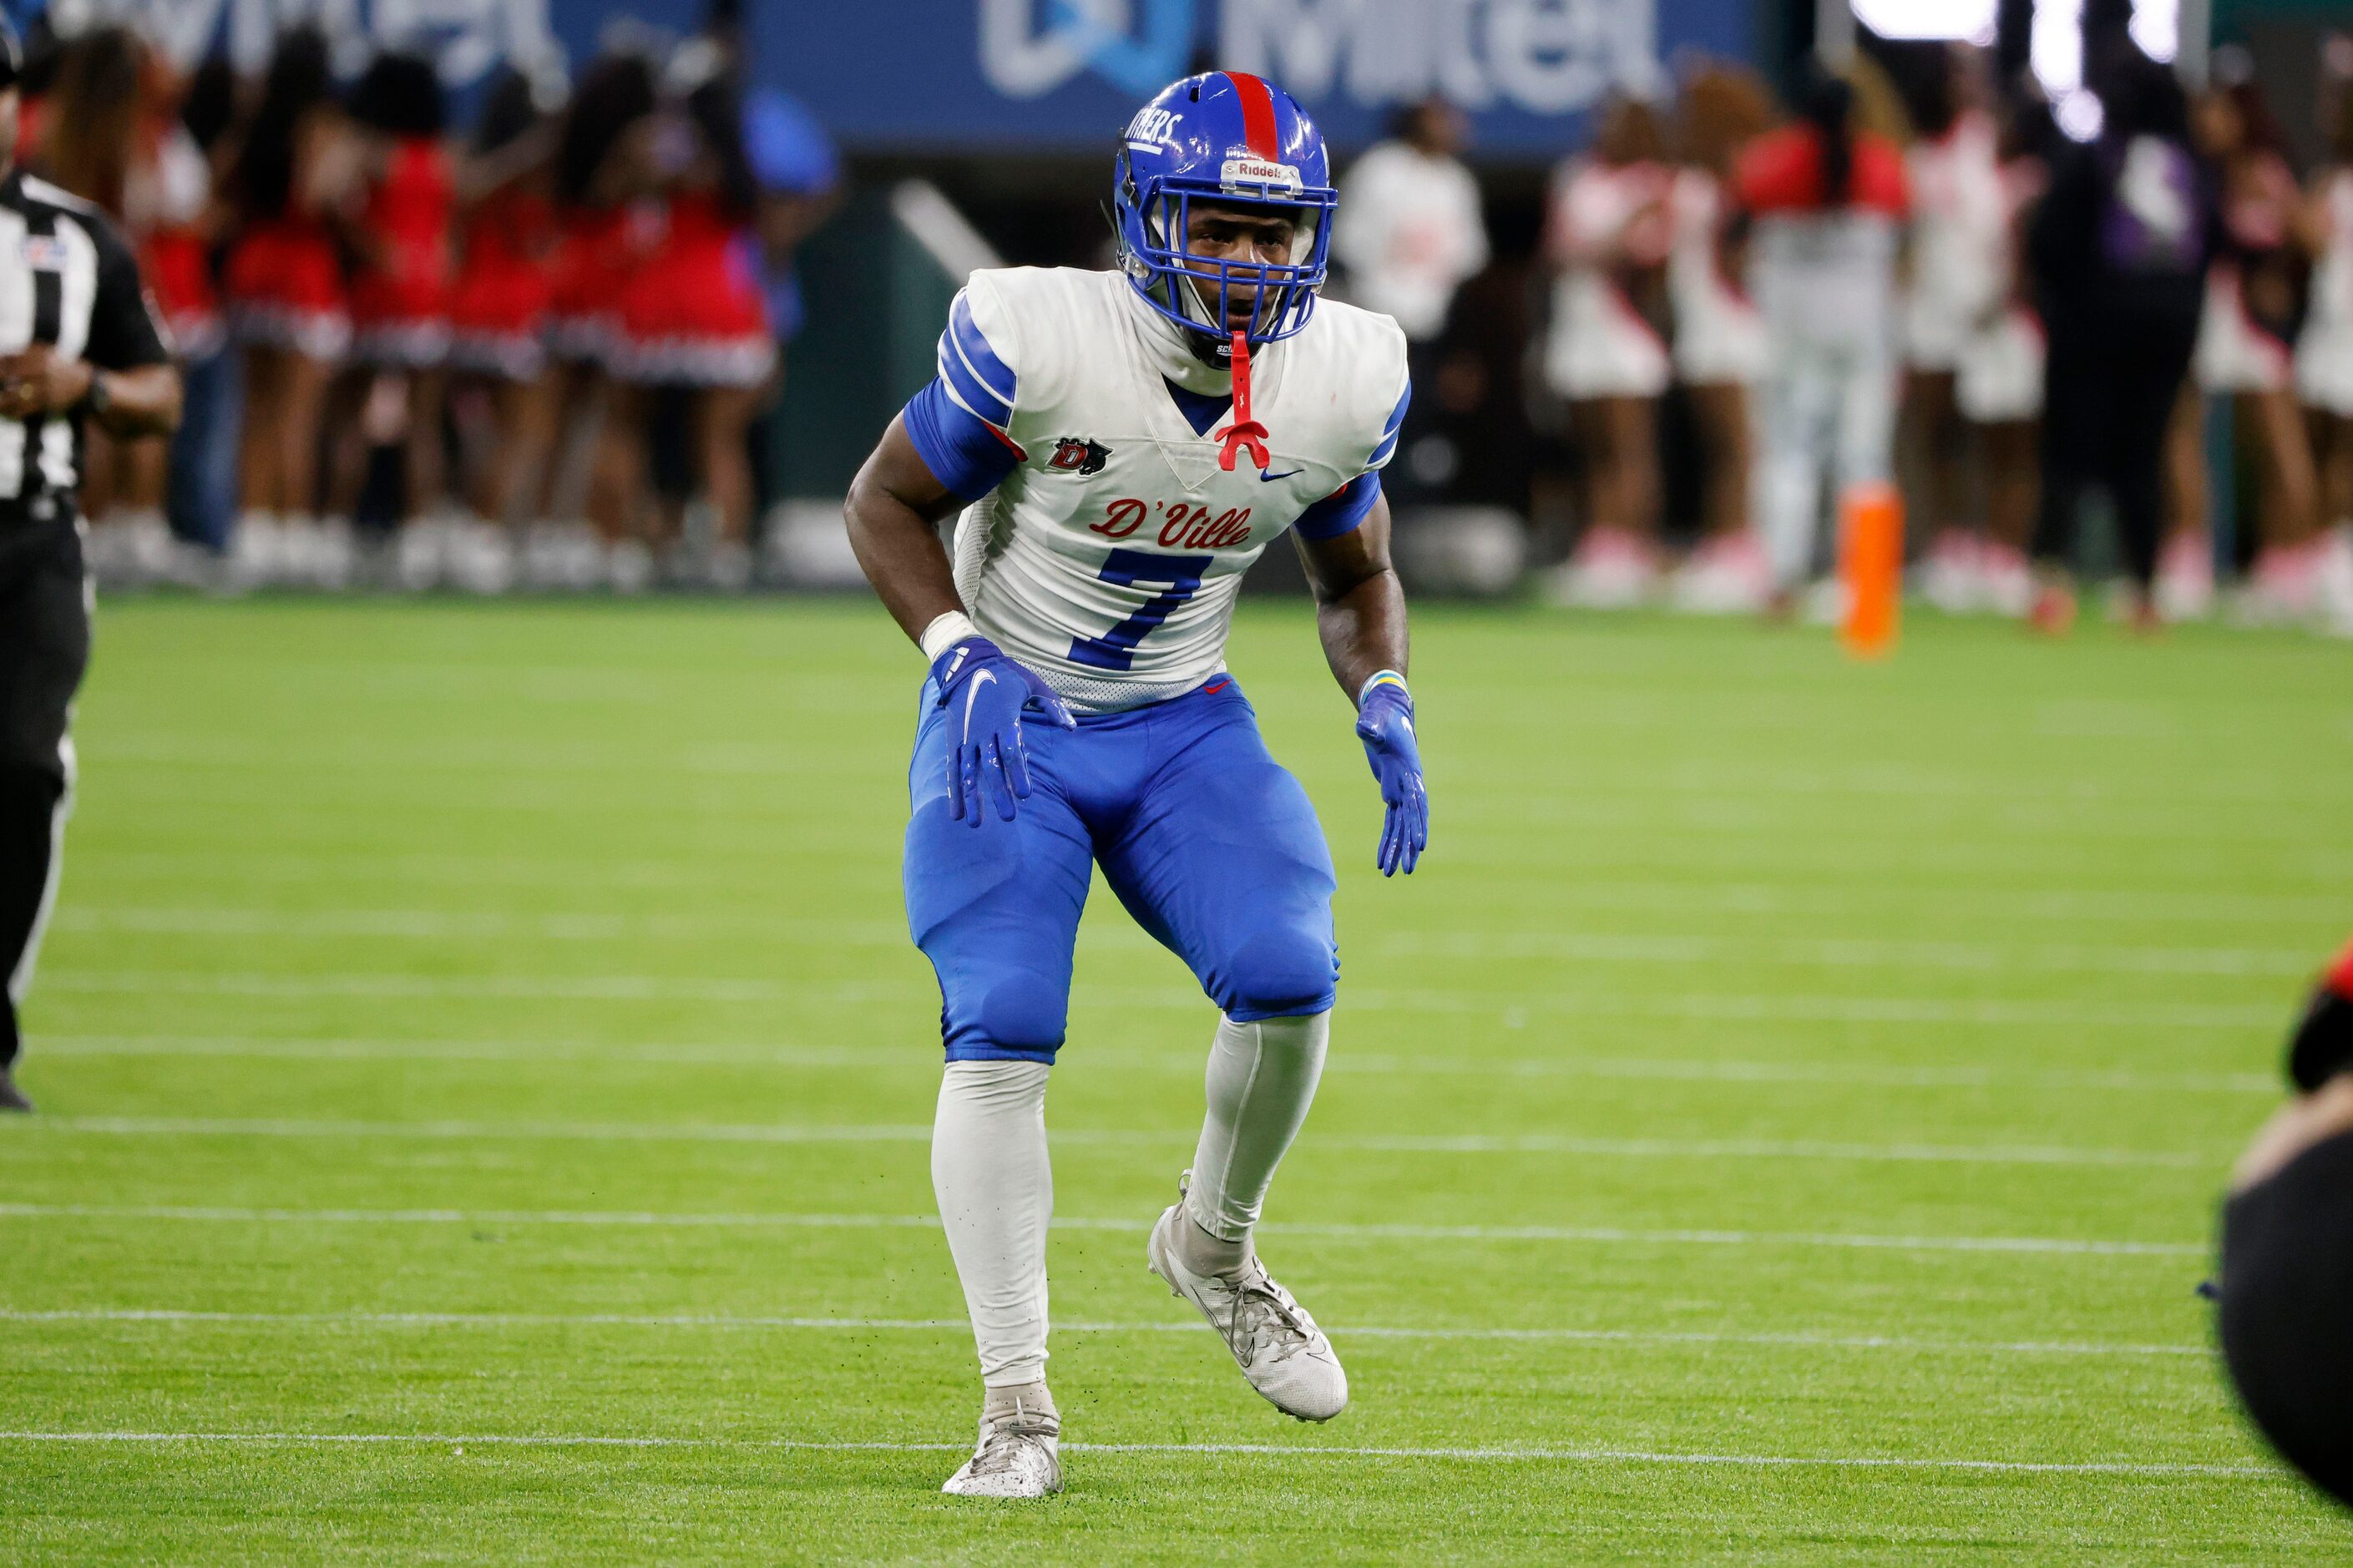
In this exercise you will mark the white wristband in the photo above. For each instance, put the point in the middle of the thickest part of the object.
(1382, 678)
(945, 632)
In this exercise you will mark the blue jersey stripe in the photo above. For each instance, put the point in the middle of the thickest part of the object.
(1390, 431)
(968, 388)
(978, 354)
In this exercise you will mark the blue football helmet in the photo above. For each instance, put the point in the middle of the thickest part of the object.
(1230, 138)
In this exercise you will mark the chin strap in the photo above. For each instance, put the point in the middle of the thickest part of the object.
(1244, 431)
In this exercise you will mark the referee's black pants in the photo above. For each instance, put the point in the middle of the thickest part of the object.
(43, 649)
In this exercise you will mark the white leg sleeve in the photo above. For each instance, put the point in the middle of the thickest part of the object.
(1262, 1079)
(996, 1191)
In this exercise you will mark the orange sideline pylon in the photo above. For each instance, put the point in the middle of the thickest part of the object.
(1871, 565)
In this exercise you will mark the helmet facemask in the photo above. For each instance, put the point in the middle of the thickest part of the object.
(1194, 291)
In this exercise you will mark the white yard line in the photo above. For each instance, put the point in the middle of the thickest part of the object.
(449, 756)
(1269, 1450)
(474, 923)
(522, 987)
(914, 994)
(1586, 811)
(918, 1133)
(1800, 1008)
(1959, 784)
(1663, 894)
(1581, 947)
(959, 1326)
(1854, 952)
(346, 865)
(1594, 1235)
(588, 1053)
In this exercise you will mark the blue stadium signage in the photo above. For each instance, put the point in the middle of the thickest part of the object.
(1065, 74)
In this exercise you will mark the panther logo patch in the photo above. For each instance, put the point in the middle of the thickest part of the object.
(1076, 454)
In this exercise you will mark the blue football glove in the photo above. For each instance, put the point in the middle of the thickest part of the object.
(985, 694)
(1385, 723)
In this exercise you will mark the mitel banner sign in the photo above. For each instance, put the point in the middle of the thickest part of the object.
(467, 37)
(1052, 75)
(1065, 74)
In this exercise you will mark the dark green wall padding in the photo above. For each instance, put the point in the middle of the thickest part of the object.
(2232, 16)
(877, 303)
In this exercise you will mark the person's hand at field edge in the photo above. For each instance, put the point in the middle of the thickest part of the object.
(38, 380)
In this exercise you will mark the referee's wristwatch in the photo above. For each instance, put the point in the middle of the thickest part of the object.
(97, 400)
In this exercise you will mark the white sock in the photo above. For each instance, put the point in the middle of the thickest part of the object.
(1262, 1079)
(996, 1191)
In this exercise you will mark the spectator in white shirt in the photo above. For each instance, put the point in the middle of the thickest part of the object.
(1409, 228)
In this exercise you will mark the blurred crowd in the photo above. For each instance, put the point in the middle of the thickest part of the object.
(1916, 274)
(536, 350)
(534, 353)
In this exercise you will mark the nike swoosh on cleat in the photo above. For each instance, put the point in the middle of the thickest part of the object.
(1266, 478)
(972, 694)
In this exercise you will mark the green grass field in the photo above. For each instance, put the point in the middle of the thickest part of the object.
(485, 1087)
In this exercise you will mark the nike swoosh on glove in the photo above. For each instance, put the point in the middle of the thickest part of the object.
(1385, 723)
(984, 694)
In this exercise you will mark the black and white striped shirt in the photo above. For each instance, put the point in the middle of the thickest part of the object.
(67, 278)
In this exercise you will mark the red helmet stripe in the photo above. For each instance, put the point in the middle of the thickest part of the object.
(2339, 978)
(1258, 115)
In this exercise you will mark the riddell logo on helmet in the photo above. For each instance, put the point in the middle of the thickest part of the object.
(1249, 169)
(1076, 454)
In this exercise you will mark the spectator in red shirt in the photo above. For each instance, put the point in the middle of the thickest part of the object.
(1826, 202)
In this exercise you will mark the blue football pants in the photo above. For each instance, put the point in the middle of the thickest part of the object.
(1203, 836)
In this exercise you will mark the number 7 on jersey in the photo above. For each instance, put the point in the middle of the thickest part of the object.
(1115, 649)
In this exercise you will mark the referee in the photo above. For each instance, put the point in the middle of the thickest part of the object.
(76, 341)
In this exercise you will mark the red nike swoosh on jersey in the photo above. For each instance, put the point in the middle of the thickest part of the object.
(1213, 688)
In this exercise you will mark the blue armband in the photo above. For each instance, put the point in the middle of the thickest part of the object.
(965, 452)
(1341, 511)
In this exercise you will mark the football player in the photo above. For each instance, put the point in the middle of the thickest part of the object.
(1122, 446)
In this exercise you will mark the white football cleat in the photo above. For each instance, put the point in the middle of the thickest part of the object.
(1019, 1456)
(1276, 1343)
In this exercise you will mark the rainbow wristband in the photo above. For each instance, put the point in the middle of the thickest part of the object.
(1382, 678)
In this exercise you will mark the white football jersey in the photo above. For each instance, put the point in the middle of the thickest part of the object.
(1109, 559)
